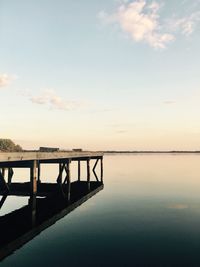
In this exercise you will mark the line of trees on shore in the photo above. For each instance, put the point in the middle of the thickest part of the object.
(7, 145)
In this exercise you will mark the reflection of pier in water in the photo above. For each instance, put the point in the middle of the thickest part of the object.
(58, 199)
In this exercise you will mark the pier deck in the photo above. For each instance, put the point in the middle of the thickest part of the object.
(47, 156)
(33, 161)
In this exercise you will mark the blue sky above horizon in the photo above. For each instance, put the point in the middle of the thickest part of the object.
(104, 74)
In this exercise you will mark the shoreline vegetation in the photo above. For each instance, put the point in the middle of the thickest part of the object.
(7, 145)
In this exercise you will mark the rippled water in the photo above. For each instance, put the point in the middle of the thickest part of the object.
(147, 215)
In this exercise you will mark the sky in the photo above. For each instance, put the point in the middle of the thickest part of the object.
(100, 75)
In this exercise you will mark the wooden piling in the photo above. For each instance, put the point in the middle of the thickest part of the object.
(61, 167)
(10, 175)
(39, 173)
(33, 178)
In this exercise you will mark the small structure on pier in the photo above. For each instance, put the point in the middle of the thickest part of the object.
(77, 149)
(48, 149)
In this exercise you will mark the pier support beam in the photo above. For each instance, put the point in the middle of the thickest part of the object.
(33, 178)
(95, 171)
(68, 180)
(3, 171)
(3, 185)
(88, 173)
(38, 172)
(60, 175)
(10, 175)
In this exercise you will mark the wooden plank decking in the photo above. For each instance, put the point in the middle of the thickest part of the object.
(27, 156)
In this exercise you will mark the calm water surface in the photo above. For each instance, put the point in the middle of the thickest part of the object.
(147, 215)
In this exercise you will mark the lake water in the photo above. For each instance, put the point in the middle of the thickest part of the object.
(148, 214)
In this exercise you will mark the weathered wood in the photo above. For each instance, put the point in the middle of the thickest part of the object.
(33, 178)
(29, 156)
(22, 160)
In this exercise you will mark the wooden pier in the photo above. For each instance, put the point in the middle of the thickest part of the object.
(34, 160)
(58, 198)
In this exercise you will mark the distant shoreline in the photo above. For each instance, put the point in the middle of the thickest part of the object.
(114, 152)
(151, 152)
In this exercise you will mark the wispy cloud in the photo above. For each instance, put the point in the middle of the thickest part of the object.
(186, 25)
(53, 101)
(6, 79)
(141, 20)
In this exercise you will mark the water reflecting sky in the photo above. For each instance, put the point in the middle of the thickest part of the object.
(147, 215)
